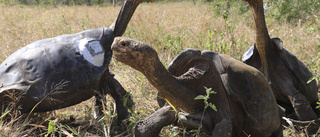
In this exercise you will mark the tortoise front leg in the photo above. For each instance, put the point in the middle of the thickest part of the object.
(123, 100)
(152, 125)
(193, 121)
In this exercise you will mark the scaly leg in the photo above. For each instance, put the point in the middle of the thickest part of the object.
(301, 106)
(152, 125)
(123, 100)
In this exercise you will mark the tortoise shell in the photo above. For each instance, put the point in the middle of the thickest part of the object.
(250, 103)
(300, 72)
(61, 71)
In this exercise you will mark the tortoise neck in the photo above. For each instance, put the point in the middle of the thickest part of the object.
(262, 36)
(120, 24)
(171, 89)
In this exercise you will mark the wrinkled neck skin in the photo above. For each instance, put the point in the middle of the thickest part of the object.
(170, 88)
(263, 43)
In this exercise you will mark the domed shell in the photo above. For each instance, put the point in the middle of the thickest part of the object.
(63, 69)
(180, 61)
(300, 72)
(245, 85)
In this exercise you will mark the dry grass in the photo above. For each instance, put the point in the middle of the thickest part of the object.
(168, 27)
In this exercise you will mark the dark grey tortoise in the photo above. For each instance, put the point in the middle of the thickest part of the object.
(244, 100)
(287, 75)
(58, 72)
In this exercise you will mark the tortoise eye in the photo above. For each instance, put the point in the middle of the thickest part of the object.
(122, 43)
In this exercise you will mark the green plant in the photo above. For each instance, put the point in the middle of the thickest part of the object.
(206, 105)
(51, 127)
(293, 10)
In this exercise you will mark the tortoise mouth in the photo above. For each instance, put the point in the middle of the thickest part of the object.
(118, 55)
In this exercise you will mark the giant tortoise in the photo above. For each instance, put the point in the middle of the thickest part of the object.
(244, 100)
(287, 75)
(58, 72)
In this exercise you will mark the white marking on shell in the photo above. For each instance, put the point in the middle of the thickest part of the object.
(248, 54)
(92, 51)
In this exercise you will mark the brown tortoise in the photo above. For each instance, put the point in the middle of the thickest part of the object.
(244, 99)
(287, 75)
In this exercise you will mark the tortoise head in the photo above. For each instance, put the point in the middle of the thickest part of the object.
(136, 54)
(126, 12)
